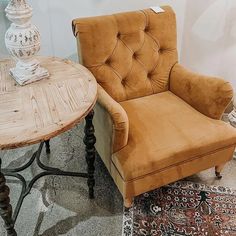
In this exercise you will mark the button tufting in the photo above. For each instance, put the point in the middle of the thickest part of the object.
(149, 75)
(118, 35)
(135, 55)
(123, 82)
(146, 29)
(108, 61)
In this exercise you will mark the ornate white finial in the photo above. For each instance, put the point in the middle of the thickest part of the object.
(23, 42)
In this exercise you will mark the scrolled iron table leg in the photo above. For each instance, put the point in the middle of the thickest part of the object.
(89, 141)
(47, 144)
(6, 212)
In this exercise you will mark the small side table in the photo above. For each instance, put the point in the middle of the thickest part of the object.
(38, 112)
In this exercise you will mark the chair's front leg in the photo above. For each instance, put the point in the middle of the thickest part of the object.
(218, 170)
(128, 202)
(5, 206)
(89, 141)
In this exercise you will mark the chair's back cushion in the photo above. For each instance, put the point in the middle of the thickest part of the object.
(130, 54)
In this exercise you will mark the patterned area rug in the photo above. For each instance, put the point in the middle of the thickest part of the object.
(183, 208)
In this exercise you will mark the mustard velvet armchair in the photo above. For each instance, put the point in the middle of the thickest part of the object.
(155, 121)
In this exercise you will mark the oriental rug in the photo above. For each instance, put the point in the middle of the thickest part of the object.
(182, 209)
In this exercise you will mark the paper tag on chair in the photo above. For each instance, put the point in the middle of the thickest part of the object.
(157, 9)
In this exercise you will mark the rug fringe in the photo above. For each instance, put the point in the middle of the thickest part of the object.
(127, 227)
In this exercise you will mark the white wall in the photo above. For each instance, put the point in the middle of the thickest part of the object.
(4, 24)
(209, 39)
(53, 17)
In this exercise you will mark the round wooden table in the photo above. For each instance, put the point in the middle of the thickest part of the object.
(37, 112)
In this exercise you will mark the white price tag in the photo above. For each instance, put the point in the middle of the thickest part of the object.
(157, 9)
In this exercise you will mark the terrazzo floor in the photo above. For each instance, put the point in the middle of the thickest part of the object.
(60, 205)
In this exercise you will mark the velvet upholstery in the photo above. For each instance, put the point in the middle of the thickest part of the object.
(209, 95)
(143, 41)
(179, 134)
(104, 130)
(155, 121)
(156, 179)
(119, 118)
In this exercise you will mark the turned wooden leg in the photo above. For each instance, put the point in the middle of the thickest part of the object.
(47, 144)
(128, 202)
(218, 170)
(5, 206)
(89, 141)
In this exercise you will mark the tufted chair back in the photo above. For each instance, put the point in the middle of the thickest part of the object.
(130, 54)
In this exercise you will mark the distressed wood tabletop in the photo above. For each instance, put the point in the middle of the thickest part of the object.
(42, 110)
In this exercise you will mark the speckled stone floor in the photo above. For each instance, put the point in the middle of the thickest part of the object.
(60, 205)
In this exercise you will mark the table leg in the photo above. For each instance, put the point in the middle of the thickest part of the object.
(47, 144)
(5, 206)
(89, 141)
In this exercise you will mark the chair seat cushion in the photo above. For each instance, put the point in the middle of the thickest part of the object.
(165, 131)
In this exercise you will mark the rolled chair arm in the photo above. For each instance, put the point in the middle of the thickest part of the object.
(208, 95)
(118, 116)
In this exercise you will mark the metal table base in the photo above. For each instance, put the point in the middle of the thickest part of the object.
(6, 212)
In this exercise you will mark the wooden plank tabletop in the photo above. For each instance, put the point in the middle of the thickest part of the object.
(44, 109)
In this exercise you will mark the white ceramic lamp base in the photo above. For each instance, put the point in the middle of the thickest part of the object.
(25, 73)
(23, 42)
